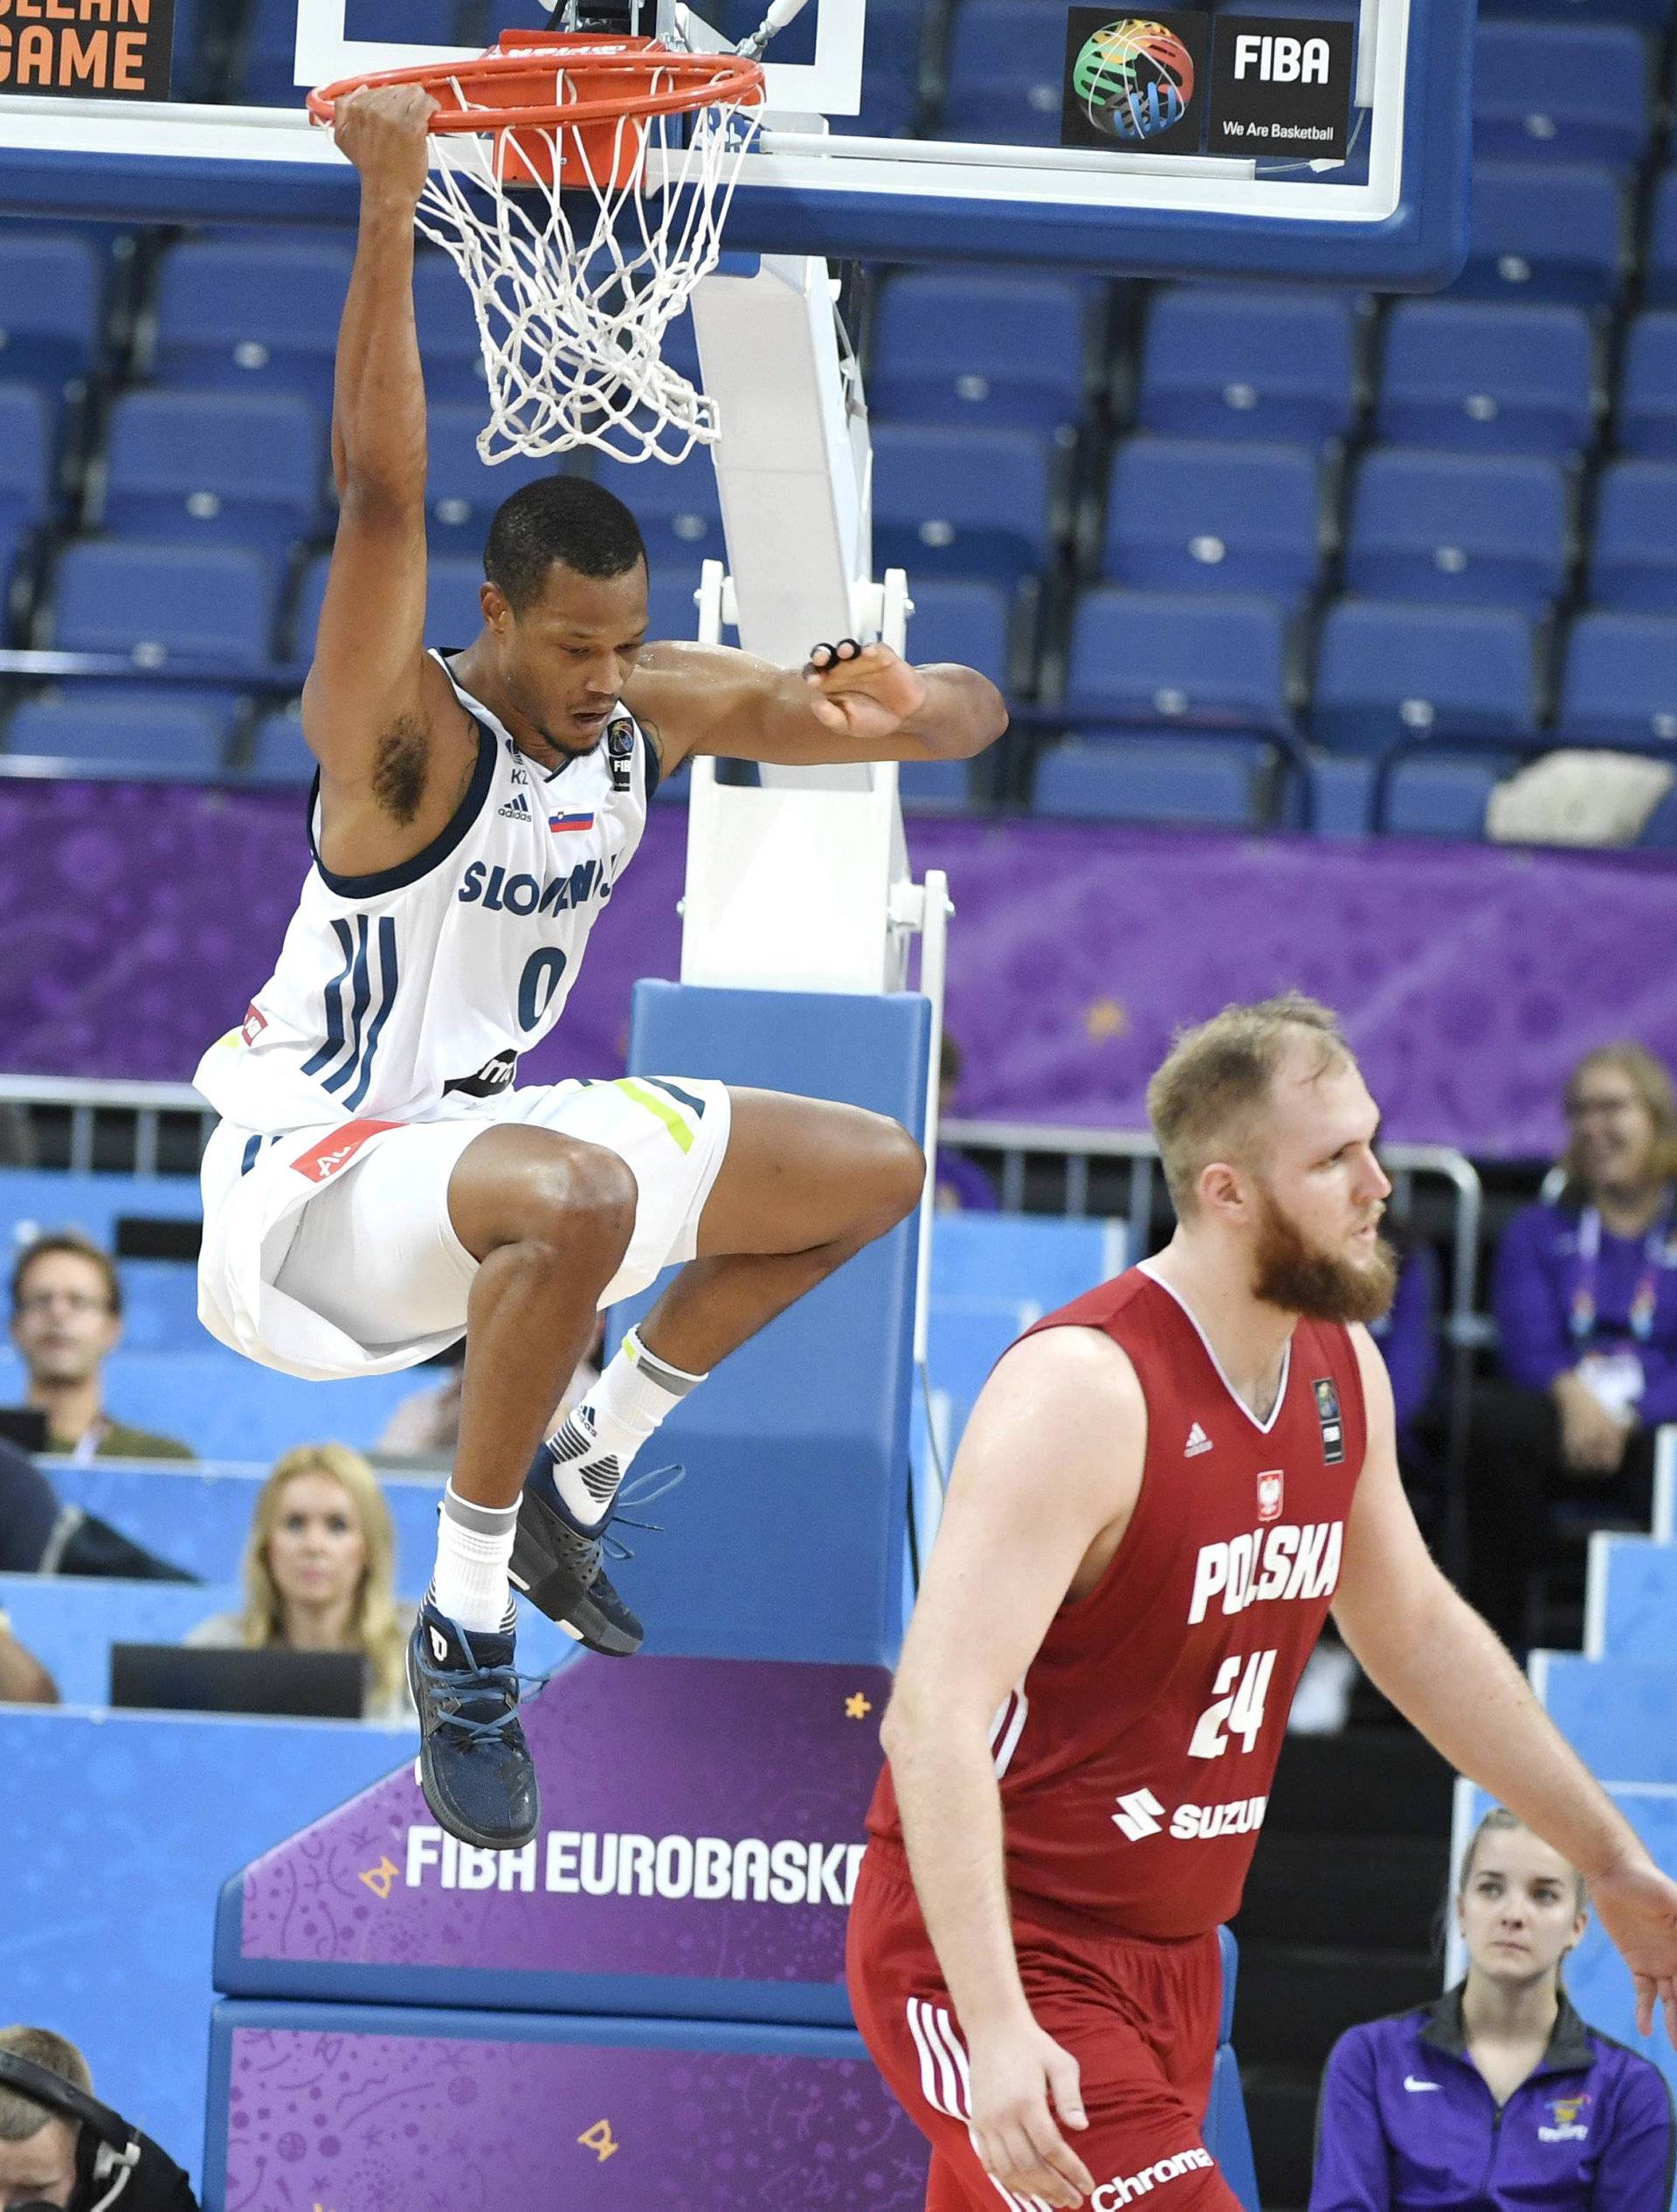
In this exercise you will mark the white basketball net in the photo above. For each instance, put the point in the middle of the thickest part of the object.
(573, 302)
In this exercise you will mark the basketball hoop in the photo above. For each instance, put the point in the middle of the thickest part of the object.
(581, 192)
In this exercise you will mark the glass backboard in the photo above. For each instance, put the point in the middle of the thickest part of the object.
(1313, 138)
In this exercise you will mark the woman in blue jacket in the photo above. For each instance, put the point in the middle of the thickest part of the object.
(1497, 2097)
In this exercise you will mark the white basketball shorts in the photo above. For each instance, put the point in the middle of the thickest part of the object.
(329, 1252)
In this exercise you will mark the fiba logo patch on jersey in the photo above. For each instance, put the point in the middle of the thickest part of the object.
(620, 750)
(1330, 1420)
(1270, 1486)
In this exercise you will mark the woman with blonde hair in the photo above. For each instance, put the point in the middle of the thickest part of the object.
(320, 1569)
(1497, 2096)
(1584, 1291)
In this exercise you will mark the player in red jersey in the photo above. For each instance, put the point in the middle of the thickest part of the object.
(1162, 1491)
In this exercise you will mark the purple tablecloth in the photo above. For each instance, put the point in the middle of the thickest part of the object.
(139, 919)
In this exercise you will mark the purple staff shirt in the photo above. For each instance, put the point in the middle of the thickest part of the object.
(1407, 2124)
(1536, 1270)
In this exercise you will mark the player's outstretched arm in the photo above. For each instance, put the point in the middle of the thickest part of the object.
(1446, 1671)
(1050, 1464)
(369, 669)
(847, 702)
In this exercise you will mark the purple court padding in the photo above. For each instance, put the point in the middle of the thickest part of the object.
(442, 2112)
(703, 1821)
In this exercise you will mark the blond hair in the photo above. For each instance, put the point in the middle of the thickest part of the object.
(20, 2116)
(1498, 1821)
(375, 1627)
(1215, 1083)
(1651, 1080)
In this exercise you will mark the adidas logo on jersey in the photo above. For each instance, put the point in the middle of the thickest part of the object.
(1198, 1441)
(517, 809)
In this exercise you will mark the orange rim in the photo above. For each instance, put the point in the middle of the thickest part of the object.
(702, 80)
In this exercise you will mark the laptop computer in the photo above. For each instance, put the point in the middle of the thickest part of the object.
(172, 1677)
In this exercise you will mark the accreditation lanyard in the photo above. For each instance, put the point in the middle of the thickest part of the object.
(1646, 1296)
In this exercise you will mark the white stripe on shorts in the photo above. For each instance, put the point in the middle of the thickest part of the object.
(946, 2082)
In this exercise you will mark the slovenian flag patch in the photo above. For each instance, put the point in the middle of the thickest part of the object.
(570, 821)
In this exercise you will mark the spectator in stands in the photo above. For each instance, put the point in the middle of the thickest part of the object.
(319, 1573)
(1497, 2094)
(426, 1424)
(60, 2147)
(67, 1320)
(962, 1184)
(23, 1681)
(1586, 1296)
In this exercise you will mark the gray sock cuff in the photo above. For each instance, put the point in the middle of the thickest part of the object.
(673, 1380)
(482, 1520)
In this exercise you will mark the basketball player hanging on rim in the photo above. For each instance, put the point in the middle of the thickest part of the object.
(377, 1186)
(1163, 1490)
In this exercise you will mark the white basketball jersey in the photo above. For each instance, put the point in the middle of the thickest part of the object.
(405, 995)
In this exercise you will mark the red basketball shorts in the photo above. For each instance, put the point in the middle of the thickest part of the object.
(1139, 2016)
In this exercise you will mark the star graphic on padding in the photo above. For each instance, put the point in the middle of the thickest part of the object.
(857, 1708)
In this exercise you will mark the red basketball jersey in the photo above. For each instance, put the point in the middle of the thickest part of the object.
(1135, 1757)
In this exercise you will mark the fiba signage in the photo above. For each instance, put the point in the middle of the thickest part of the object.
(1275, 88)
(1280, 87)
(1136, 83)
(114, 49)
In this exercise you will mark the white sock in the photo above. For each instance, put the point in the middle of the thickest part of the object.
(597, 1441)
(474, 1544)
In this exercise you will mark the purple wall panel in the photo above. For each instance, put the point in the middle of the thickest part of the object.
(138, 919)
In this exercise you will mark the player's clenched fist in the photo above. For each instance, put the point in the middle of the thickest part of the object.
(382, 130)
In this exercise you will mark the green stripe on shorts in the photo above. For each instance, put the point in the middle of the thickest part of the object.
(668, 1114)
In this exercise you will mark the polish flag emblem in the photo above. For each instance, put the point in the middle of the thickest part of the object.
(1269, 1495)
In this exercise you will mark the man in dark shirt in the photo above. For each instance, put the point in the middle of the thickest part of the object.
(1585, 1295)
(60, 2149)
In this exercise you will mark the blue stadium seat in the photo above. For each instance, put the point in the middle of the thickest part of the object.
(1460, 529)
(1546, 232)
(51, 291)
(1440, 797)
(1572, 92)
(961, 503)
(1633, 546)
(449, 345)
(277, 753)
(26, 473)
(453, 612)
(1647, 386)
(1649, 15)
(1245, 362)
(1186, 514)
(463, 491)
(1489, 379)
(1386, 672)
(1221, 782)
(890, 102)
(306, 620)
(244, 316)
(173, 740)
(964, 622)
(942, 784)
(214, 468)
(1620, 680)
(677, 507)
(158, 602)
(1006, 73)
(672, 610)
(1660, 255)
(1155, 657)
(1341, 789)
(1001, 352)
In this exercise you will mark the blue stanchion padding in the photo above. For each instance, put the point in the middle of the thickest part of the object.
(1229, 1952)
(1227, 2136)
(70, 1622)
(335, 2105)
(36, 1200)
(1631, 1609)
(1620, 1715)
(1029, 1259)
(116, 1832)
(198, 1517)
(787, 1539)
(1597, 1979)
(228, 1407)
